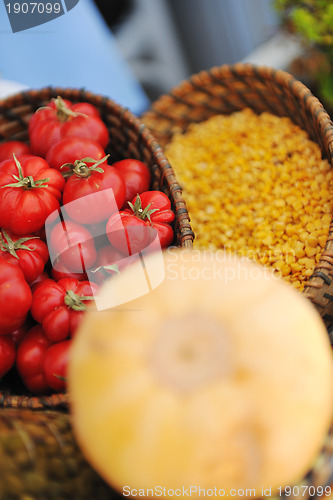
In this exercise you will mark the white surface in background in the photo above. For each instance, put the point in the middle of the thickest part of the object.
(7, 88)
(76, 50)
(278, 52)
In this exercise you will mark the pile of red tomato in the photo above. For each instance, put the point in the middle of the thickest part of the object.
(64, 167)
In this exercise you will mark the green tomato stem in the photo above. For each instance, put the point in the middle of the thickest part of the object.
(25, 182)
(75, 302)
(81, 169)
(8, 245)
(142, 213)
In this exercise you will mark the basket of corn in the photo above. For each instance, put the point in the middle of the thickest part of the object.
(252, 148)
(40, 131)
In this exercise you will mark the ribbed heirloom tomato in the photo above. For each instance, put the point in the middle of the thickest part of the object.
(15, 297)
(59, 119)
(30, 357)
(69, 149)
(7, 354)
(60, 271)
(109, 262)
(97, 189)
(73, 247)
(133, 229)
(7, 149)
(59, 306)
(29, 253)
(29, 192)
(18, 335)
(136, 175)
(55, 365)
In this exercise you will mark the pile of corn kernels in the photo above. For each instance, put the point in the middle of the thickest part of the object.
(256, 185)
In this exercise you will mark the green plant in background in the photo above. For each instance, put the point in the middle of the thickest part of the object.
(312, 20)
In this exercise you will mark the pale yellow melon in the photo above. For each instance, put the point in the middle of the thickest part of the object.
(221, 377)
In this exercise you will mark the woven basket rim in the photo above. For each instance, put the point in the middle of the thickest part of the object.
(247, 69)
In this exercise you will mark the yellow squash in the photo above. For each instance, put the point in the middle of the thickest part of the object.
(220, 378)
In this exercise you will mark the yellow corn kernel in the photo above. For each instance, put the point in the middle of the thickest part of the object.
(268, 240)
(298, 205)
(310, 251)
(291, 229)
(286, 269)
(279, 264)
(322, 240)
(303, 236)
(307, 263)
(310, 227)
(312, 241)
(296, 267)
(290, 257)
(299, 252)
(326, 219)
(280, 203)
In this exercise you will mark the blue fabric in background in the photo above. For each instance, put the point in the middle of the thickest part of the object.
(76, 50)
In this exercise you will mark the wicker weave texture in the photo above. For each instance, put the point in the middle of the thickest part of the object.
(230, 88)
(41, 460)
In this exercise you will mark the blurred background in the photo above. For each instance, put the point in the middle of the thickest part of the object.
(165, 41)
(135, 50)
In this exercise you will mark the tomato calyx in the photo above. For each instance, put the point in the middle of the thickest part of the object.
(26, 182)
(139, 212)
(104, 270)
(7, 244)
(64, 113)
(81, 169)
(76, 302)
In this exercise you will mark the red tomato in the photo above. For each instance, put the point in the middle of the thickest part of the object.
(97, 190)
(133, 229)
(59, 272)
(109, 262)
(17, 147)
(61, 119)
(42, 277)
(30, 254)
(158, 203)
(30, 191)
(107, 255)
(136, 175)
(70, 149)
(128, 233)
(80, 107)
(15, 297)
(73, 245)
(30, 357)
(55, 365)
(85, 108)
(7, 354)
(41, 233)
(18, 335)
(60, 306)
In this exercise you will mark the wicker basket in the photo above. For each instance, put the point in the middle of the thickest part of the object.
(129, 137)
(41, 460)
(233, 87)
